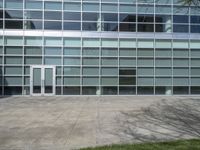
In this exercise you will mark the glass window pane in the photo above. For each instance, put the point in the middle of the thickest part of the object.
(53, 51)
(163, 81)
(51, 41)
(72, 42)
(14, 14)
(109, 81)
(72, 16)
(72, 6)
(51, 15)
(109, 71)
(33, 4)
(90, 7)
(52, 61)
(126, 43)
(181, 71)
(14, 4)
(109, 43)
(13, 41)
(71, 80)
(181, 81)
(71, 71)
(13, 80)
(91, 61)
(13, 24)
(13, 60)
(33, 60)
(72, 51)
(109, 52)
(145, 62)
(91, 71)
(145, 71)
(127, 52)
(109, 61)
(127, 8)
(145, 81)
(72, 26)
(91, 42)
(127, 62)
(163, 72)
(145, 43)
(33, 51)
(33, 41)
(14, 50)
(33, 24)
(91, 52)
(71, 61)
(109, 7)
(90, 81)
(53, 5)
(13, 70)
(52, 25)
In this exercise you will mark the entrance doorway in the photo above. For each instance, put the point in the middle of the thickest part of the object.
(42, 80)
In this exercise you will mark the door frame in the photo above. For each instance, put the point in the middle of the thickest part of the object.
(42, 67)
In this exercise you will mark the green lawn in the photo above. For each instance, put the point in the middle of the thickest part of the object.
(174, 145)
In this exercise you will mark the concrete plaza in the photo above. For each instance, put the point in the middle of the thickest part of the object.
(62, 123)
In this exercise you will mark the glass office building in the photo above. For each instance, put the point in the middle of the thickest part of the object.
(99, 47)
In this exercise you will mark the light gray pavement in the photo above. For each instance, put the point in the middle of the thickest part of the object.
(62, 123)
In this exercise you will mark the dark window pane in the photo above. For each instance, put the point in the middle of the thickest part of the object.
(163, 90)
(127, 71)
(50, 15)
(127, 27)
(145, 18)
(33, 15)
(90, 90)
(109, 90)
(160, 28)
(180, 90)
(195, 19)
(127, 80)
(14, 14)
(145, 90)
(52, 25)
(127, 18)
(72, 16)
(145, 28)
(195, 90)
(92, 26)
(32, 24)
(1, 24)
(109, 17)
(12, 90)
(72, 26)
(58, 90)
(109, 27)
(90, 16)
(180, 19)
(1, 13)
(13, 24)
(195, 29)
(71, 90)
(181, 28)
(127, 90)
(162, 18)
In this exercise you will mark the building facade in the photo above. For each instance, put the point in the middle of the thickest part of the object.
(99, 47)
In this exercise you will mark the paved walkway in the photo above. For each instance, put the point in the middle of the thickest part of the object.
(62, 123)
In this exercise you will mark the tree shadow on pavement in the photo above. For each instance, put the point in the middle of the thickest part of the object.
(166, 120)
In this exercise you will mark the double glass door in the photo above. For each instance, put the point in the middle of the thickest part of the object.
(42, 80)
